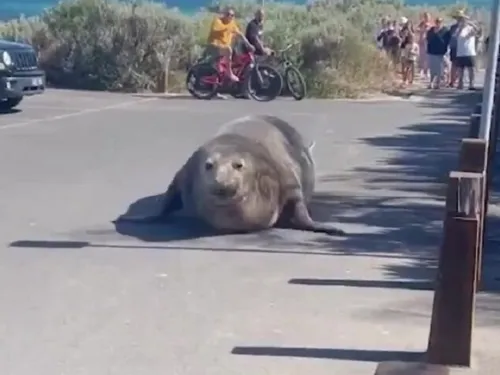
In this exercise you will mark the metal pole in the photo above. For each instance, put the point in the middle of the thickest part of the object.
(491, 68)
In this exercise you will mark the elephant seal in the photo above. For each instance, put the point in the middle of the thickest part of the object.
(256, 173)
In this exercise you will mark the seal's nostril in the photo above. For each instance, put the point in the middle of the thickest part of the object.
(237, 165)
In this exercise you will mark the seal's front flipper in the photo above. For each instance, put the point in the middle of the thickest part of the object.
(140, 219)
(296, 216)
(170, 201)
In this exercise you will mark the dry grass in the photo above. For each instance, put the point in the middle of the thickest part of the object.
(111, 45)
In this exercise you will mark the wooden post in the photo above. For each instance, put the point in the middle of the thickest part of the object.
(473, 158)
(165, 58)
(473, 154)
(450, 338)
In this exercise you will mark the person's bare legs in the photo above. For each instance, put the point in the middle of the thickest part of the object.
(423, 64)
(404, 71)
(228, 54)
(471, 71)
(460, 74)
(453, 74)
(438, 66)
(411, 72)
(432, 71)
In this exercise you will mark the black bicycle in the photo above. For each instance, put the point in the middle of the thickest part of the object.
(292, 78)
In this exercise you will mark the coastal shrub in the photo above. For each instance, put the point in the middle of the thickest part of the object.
(116, 45)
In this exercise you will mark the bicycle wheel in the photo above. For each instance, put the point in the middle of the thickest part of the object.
(263, 83)
(295, 83)
(202, 81)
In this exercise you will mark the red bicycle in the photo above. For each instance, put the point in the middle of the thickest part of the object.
(261, 82)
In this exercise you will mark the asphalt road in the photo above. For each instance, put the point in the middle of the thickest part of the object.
(81, 297)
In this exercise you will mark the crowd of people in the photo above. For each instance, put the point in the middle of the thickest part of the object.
(436, 52)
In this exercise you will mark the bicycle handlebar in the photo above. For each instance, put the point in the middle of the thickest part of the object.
(287, 47)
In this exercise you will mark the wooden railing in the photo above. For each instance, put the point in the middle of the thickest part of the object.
(461, 253)
(460, 260)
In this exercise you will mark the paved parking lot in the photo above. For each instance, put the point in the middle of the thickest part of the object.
(80, 296)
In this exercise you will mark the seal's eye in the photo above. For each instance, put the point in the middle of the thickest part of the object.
(237, 165)
(209, 165)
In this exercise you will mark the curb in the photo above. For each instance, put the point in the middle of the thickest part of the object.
(165, 96)
(383, 96)
(374, 98)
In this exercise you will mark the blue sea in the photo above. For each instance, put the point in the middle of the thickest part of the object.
(12, 9)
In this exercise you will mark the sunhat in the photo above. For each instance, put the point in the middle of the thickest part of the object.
(460, 14)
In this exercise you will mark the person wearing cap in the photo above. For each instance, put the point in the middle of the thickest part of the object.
(466, 35)
(406, 29)
(438, 39)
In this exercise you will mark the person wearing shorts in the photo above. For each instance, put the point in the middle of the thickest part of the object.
(220, 39)
(410, 56)
(466, 50)
(453, 52)
(438, 39)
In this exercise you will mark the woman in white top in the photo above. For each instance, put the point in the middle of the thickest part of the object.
(466, 34)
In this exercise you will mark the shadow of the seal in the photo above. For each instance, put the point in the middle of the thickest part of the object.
(175, 228)
(9, 111)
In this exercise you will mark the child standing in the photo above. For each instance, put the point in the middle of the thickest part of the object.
(411, 52)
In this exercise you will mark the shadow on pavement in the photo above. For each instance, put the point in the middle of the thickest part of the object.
(329, 353)
(176, 228)
(69, 244)
(404, 203)
(10, 111)
(407, 191)
(421, 155)
(384, 284)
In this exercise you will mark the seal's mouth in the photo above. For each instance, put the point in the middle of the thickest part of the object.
(224, 192)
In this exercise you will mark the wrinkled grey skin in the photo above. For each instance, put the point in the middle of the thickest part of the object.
(256, 173)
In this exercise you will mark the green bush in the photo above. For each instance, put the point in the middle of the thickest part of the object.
(115, 45)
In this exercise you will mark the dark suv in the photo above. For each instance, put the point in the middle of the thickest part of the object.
(19, 74)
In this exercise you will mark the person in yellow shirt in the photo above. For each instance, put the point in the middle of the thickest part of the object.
(220, 39)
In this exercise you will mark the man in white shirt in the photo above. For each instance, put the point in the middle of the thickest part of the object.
(466, 34)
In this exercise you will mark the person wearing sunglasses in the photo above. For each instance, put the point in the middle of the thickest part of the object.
(220, 39)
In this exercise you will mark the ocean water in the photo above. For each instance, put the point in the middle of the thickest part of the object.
(11, 8)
